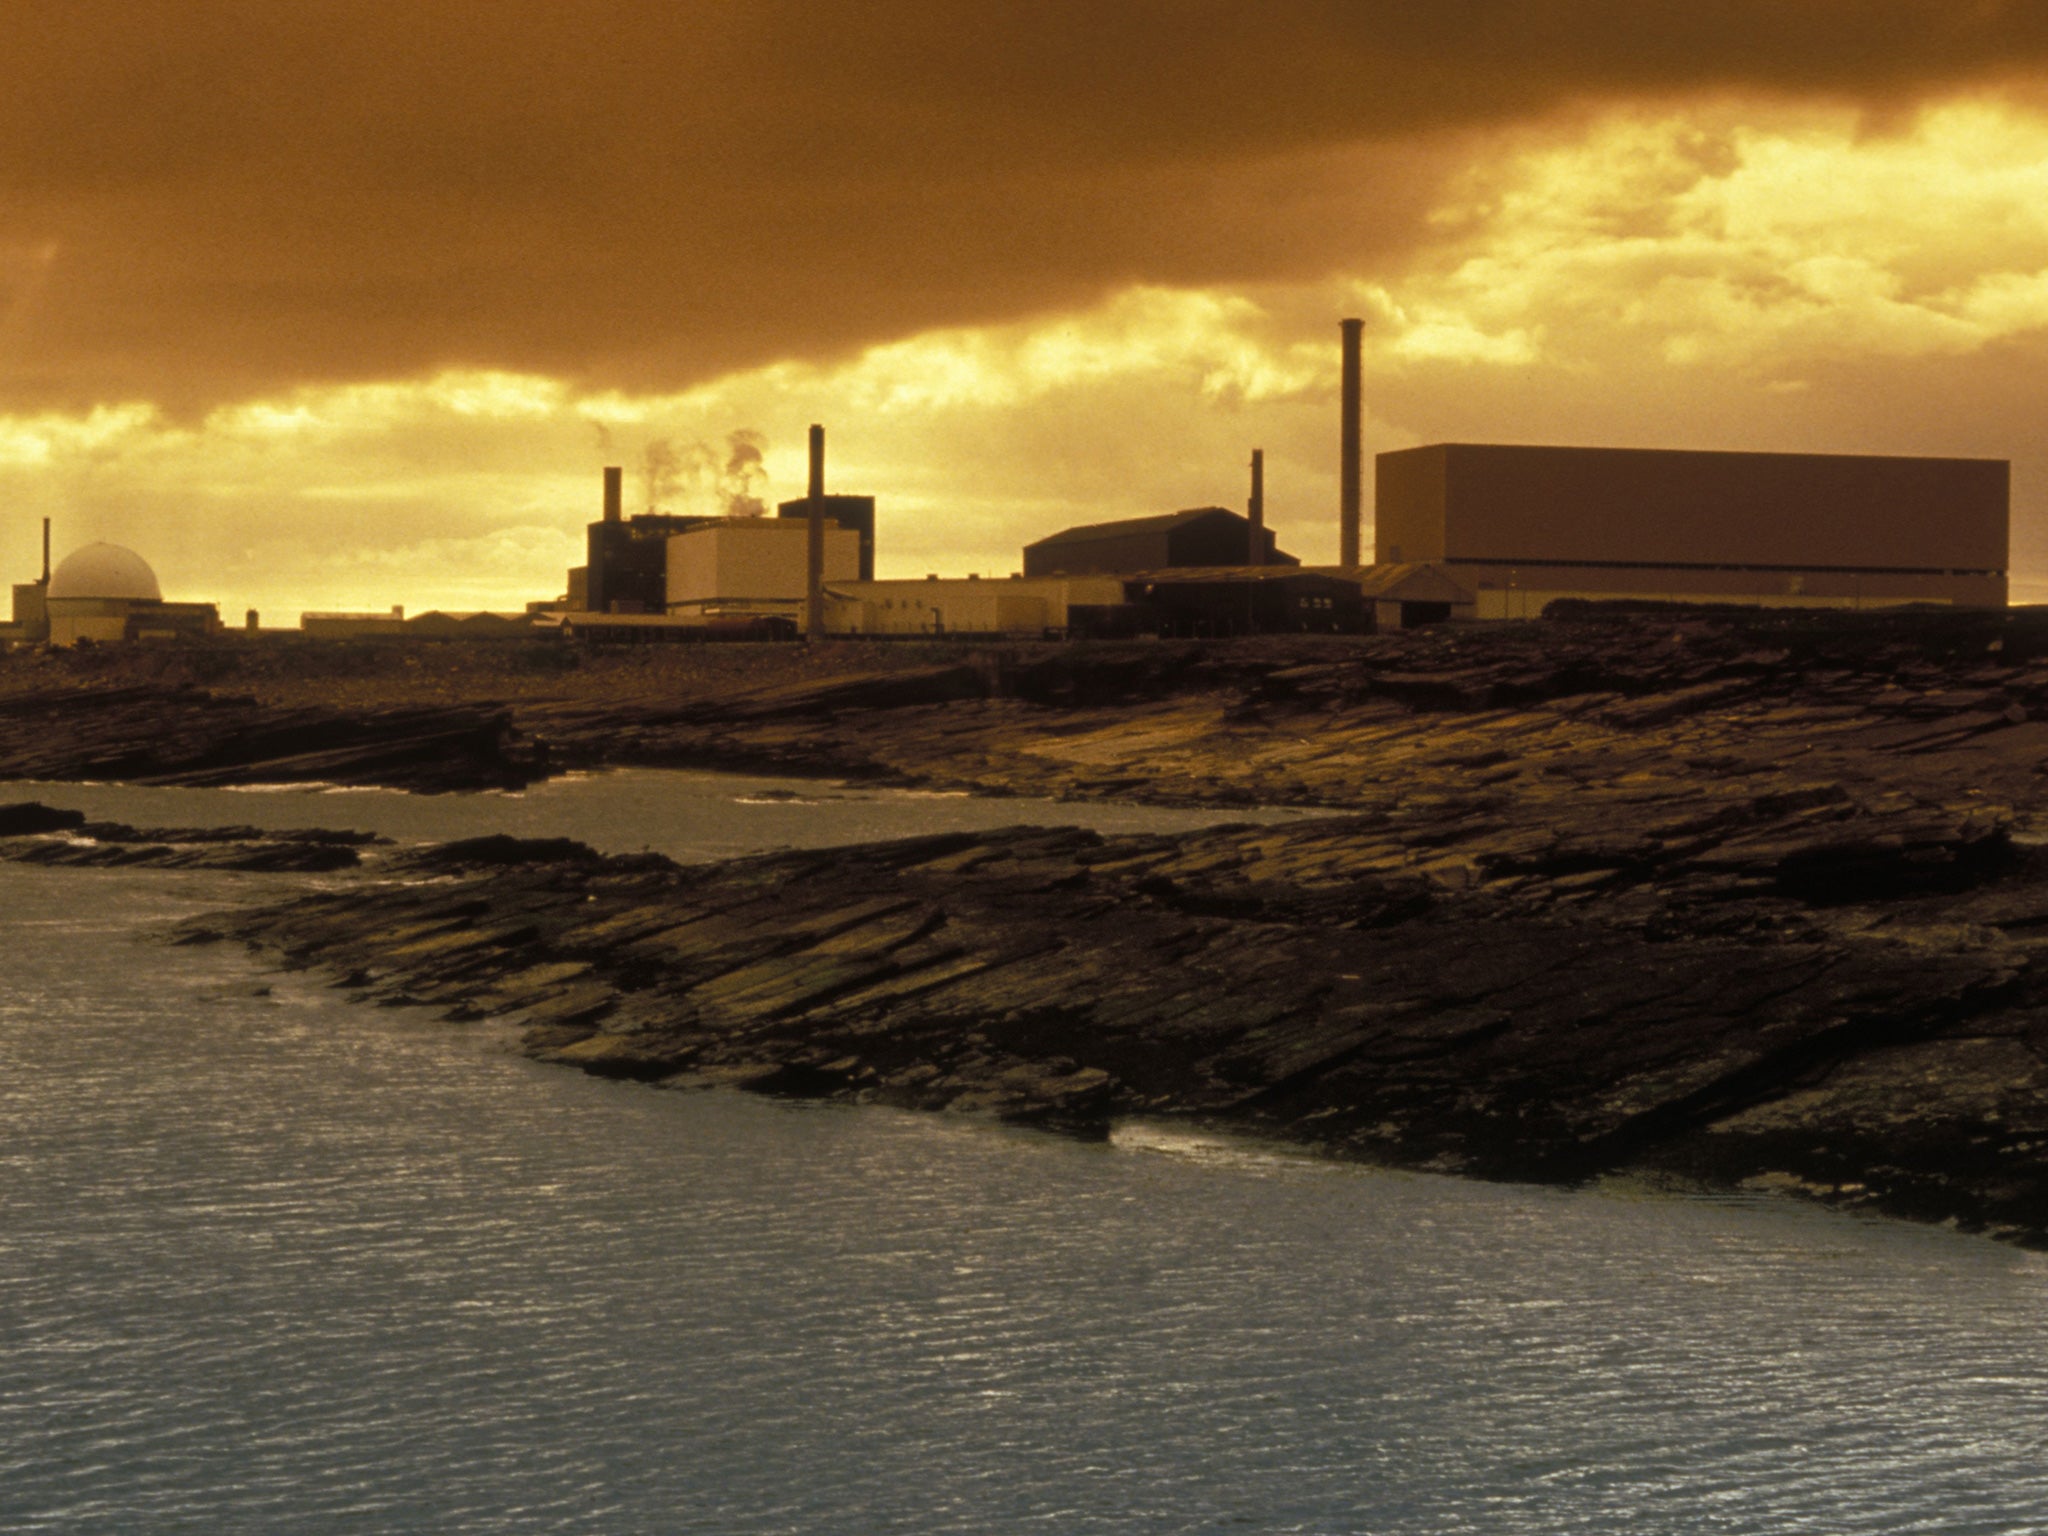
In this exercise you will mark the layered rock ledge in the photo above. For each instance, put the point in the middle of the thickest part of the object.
(1734, 898)
(1704, 999)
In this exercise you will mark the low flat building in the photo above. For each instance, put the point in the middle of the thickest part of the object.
(1523, 526)
(339, 624)
(1246, 600)
(1017, 607)
(485, 625)
(1200, 536)
(662, 629)
(1410, 595)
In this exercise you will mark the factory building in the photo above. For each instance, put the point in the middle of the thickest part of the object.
(626, 569)
(1200, 536)
(752, 566)
(1022, 607)
(668, 572)
(1522, 526)
(856, 513)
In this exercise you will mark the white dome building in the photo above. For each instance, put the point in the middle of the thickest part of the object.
(105, 571)
(103, 592)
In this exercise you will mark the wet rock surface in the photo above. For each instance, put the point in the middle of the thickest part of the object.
(197, 738)
(1726, 897)
(1686, 1005)
(34, 833)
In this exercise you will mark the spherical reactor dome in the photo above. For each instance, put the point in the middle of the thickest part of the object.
(102, 571)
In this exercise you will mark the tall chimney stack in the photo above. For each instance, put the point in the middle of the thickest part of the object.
(614, 493)
(1255, 510)
(814, 553)
(1351, 467)
(46, 551)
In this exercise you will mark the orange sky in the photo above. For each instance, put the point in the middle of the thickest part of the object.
(344, 304)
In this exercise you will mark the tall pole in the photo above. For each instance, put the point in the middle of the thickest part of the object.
(1351, 466)
(1255, 510)
(814, 554)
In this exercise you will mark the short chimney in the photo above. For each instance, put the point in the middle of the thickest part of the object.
(614, 493)
(1350, 469)
(1255, 509)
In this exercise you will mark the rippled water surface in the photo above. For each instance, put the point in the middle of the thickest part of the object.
(270, 1262)
(691, 816)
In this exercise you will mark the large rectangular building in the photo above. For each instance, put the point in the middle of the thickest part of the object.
(752, 565)
(1522, 526)
(854, 512)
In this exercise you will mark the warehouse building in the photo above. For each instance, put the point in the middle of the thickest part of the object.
(1021, 607)
(1523, 526)
(1200, 536)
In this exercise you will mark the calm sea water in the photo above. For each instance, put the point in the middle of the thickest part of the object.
(273, 1263)
(689, 816)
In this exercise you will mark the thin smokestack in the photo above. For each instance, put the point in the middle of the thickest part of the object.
(1351, 468)
(46, 551)
(1256, 509)
(614, 493)
(814, 554)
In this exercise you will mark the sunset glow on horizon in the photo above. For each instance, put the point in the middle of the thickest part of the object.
(299, 369)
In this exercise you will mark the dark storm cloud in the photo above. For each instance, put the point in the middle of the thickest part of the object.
(201, 199)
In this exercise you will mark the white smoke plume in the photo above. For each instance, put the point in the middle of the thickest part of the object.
(744, 478)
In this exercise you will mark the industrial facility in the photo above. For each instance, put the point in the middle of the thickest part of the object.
(654, 576)
(1461, 531)
(1524, 526)
(101, 593)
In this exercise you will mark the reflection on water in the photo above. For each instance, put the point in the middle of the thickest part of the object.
(688, 816)
(271, 1262)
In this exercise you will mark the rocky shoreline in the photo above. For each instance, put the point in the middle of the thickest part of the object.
(1709, 897)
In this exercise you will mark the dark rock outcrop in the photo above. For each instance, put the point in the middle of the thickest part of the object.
(1730, 896)
(1456, 993)
(189, 736)
(33, 833)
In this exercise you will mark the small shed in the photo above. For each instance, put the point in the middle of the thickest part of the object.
(1404, 596)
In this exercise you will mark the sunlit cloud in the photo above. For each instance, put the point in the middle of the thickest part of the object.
(1726, 242)
(48, 437)
(1716, 276)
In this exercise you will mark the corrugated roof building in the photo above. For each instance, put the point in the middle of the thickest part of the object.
(1199, 536)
